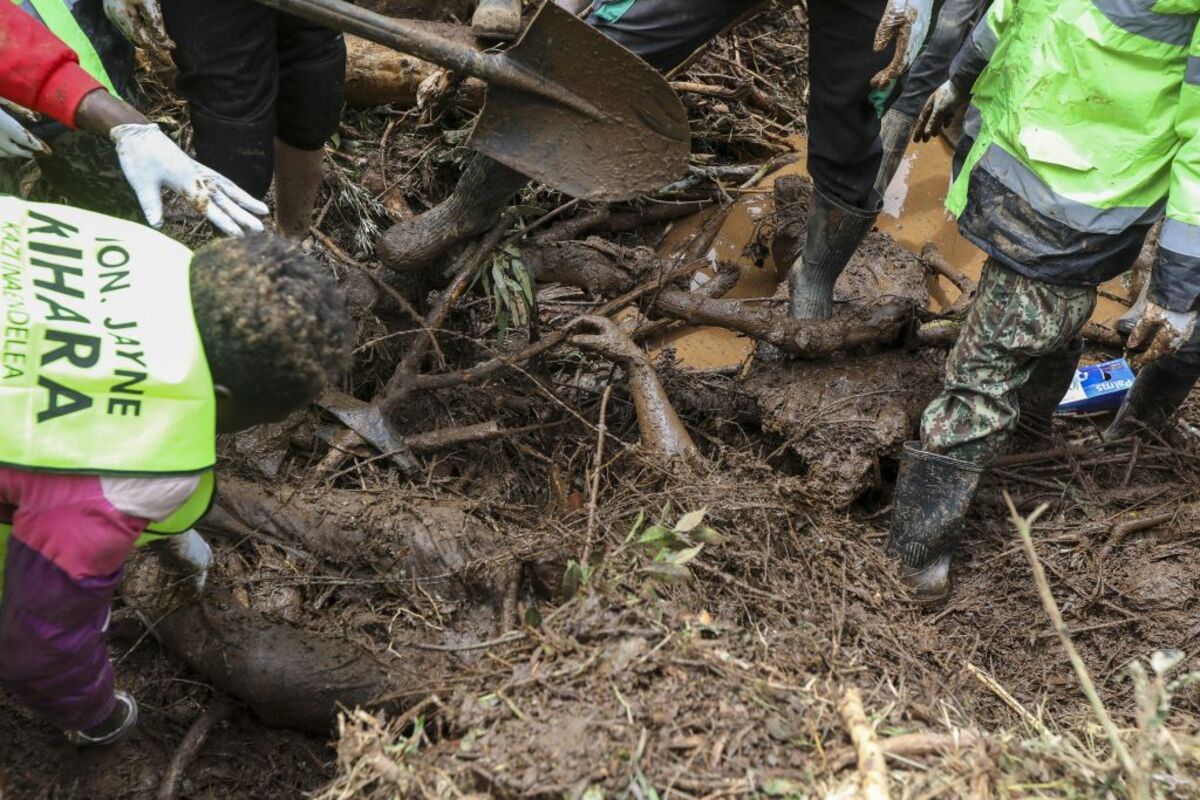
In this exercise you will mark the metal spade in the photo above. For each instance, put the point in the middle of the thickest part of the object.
(565, 105)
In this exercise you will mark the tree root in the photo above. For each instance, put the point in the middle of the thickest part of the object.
(287, 677)
(172, 782)
(606, 269)
(663, 433)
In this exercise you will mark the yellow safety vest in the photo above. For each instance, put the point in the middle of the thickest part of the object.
(102, 371)
(57, 16)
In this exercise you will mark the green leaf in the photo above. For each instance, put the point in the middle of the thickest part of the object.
(637, 526)
(666, 572)
(689, 522)
(781, 787)
(573, 579)
(655, 534)
(710, 536)
(533, 617)
(684, 556)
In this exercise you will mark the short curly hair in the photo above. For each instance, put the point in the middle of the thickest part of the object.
(273, 321)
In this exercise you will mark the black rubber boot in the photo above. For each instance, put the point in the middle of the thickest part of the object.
(933, 495)
(1155, 397)
(497, 19)
(835, 230)
(484, 189)
(1041, 395)
(896, 132)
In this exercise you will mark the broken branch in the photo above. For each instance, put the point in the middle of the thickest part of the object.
(872, 768)
(193, 742)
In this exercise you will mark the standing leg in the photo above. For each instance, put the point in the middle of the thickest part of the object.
(932, 68)
(229, 74)
(844, 147)
(663, 32)
(312, 70)
(63, 564)
(1015, 324)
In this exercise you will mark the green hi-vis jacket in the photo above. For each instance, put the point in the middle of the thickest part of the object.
(102, 371)
(1086, 121)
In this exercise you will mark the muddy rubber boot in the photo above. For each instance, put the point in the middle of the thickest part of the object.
(498, 20)
(1155, 397)
(835, 230)
(1041, 395)
(933, 495)
(120, 722)
(1130, 318)
(896, 132)
(484, 189)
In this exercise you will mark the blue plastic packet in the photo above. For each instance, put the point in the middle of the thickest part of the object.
(1098, 387)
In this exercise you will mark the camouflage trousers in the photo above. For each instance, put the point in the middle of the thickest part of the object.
(83, 172)
(1014, 361)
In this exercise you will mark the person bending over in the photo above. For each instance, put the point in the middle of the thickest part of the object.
(124, 355)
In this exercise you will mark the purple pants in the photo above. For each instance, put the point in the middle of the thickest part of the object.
(65, 553)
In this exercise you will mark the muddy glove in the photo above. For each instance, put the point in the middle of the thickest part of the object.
(140, 22)
(1159, 333)
(16, 142)
(906, 22)
(190, 555)
(947, 101)
(152, 162)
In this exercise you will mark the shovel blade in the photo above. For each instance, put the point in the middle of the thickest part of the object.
(637, 143)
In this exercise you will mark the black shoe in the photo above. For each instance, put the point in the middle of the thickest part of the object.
(482, 192)
(933, 495)
(1155, 397)
(120, 722)
(835, 230)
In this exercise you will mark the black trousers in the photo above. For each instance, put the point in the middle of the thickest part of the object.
(251, 74)
(843, 121)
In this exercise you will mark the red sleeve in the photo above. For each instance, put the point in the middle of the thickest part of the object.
(37, 70)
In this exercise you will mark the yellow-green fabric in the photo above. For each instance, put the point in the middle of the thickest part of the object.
(101, 366)
(1085, 110)
(62, 23)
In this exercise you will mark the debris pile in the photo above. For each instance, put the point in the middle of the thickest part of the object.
(529, 550)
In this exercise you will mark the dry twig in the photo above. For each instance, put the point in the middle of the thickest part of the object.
(872, 767)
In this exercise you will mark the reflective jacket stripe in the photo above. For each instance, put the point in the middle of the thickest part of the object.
(1136, 17)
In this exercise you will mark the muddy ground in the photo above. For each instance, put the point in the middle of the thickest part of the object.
(533, 633)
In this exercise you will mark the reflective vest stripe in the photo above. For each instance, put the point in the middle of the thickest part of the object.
(1138, 18)
(62, 23)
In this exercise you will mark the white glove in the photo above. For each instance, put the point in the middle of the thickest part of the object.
(152, 162)
(192, 555)
(140, 21)
(1159, 333)
(907, 22)
(941, 107)
(16, 142)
